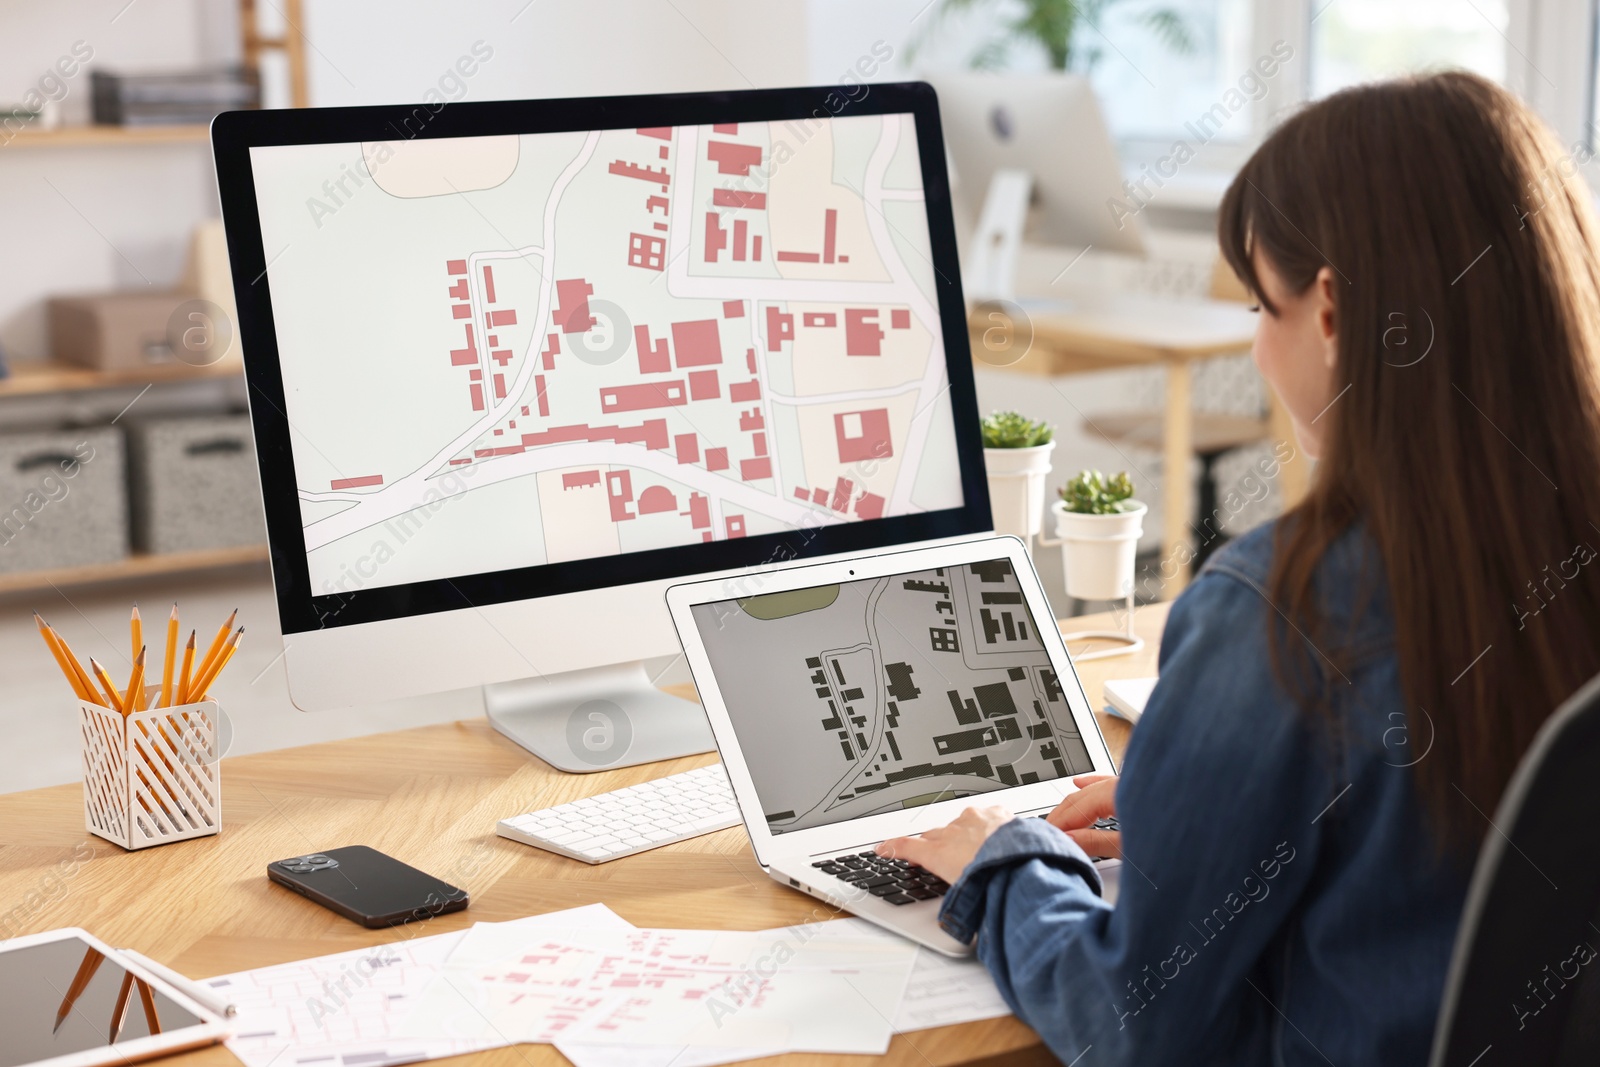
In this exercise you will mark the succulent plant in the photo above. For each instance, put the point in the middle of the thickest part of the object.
(1007, 429)
(1091, 493)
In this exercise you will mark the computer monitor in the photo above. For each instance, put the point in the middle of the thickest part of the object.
(1046, 129)
(516, 367)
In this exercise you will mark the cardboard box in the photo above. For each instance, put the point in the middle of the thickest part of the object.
(113, 331)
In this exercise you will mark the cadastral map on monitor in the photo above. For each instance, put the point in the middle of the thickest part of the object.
(517, 350)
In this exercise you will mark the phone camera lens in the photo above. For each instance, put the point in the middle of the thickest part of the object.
(301, 868)
(318, 858)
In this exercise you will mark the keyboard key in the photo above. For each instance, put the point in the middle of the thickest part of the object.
(919, 893)
(890, 890)
(900, 898)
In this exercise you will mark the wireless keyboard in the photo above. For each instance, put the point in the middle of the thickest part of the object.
(636, 819)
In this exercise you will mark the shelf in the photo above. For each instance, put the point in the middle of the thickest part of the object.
(30, 378)
(137, 566)
(94, 136)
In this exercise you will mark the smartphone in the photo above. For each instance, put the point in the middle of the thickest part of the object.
(366, 886)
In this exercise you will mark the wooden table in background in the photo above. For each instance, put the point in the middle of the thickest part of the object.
(431, 797)
(1120, 332)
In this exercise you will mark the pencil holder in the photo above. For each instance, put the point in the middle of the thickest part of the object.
(151, 777)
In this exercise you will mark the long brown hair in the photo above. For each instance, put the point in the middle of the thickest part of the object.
(1462, 246)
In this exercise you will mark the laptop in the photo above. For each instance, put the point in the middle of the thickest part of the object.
(873, 697)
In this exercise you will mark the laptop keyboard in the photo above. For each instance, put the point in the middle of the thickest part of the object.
(895, 881)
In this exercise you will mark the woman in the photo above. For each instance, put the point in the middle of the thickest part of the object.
(1345, 693)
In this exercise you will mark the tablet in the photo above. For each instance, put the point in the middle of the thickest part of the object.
(69, 1000)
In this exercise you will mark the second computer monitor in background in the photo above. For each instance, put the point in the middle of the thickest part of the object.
(1050, 127)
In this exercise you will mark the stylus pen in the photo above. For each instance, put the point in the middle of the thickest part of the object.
(187, 986)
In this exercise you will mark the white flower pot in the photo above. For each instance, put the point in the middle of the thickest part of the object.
(1016, 487)
(1097, 551)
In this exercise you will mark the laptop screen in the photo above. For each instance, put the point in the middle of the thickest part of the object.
(864, 697)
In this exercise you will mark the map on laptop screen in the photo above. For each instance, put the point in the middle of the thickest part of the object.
(887, 693)
(517, 350)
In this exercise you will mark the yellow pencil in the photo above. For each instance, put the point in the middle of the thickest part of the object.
(61, 660)
(171, 657)
(216, 646)
(134, 701)
(113, 701)
(203, 682)
(77, 667)
(188, 666)
(136, 631)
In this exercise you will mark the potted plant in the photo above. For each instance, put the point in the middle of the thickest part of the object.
(1098, 525)
(1057, 27)
(1016, 455)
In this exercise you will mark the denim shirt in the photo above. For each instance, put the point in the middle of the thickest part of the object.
(1282, 901)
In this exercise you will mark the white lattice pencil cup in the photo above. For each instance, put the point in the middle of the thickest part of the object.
(151, 777)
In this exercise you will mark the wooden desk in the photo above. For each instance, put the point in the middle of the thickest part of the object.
(1119, 332)
(429, 796)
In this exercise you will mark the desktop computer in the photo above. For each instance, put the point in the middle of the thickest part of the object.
(516, 367)
(1032, 157)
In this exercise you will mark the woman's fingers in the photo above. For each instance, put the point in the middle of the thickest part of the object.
(1089, 779)
(913, 849)
(1099, 844)
(1079, 810)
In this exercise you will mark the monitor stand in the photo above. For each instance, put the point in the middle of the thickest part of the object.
(597, 719)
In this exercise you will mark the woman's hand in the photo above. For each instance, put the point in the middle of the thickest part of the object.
(947, 850)
(1096, 798)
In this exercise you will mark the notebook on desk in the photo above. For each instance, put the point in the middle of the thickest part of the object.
(872, 698)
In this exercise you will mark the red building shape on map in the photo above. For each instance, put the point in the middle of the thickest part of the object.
(642, 396)
(716, 459)
(830, 225)
(647, 251)
(456, 266)
(696, 343)
(900, 319)
(661, 133)
(619, 491)
(656, 499)
(687, 447)
(580, 480)
(738, 198)
(356, 483)
(468, 356)
(862, 435)
(780, 328)
(633, 170)
(861, 332)
(819, 319)
(654, 358)
(571, 313)
(703, 385)
(753, 470)
(733, 309)
(734, 525)
(744, 392)
(870, 506)
(699, 511)
(716, 237)
(732, 158)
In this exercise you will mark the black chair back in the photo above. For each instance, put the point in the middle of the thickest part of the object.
(1524, 982)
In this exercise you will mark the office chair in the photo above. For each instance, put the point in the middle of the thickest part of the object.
(1524, 981)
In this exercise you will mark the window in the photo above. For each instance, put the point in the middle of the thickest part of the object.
(1362, 40)
(1148, 89)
